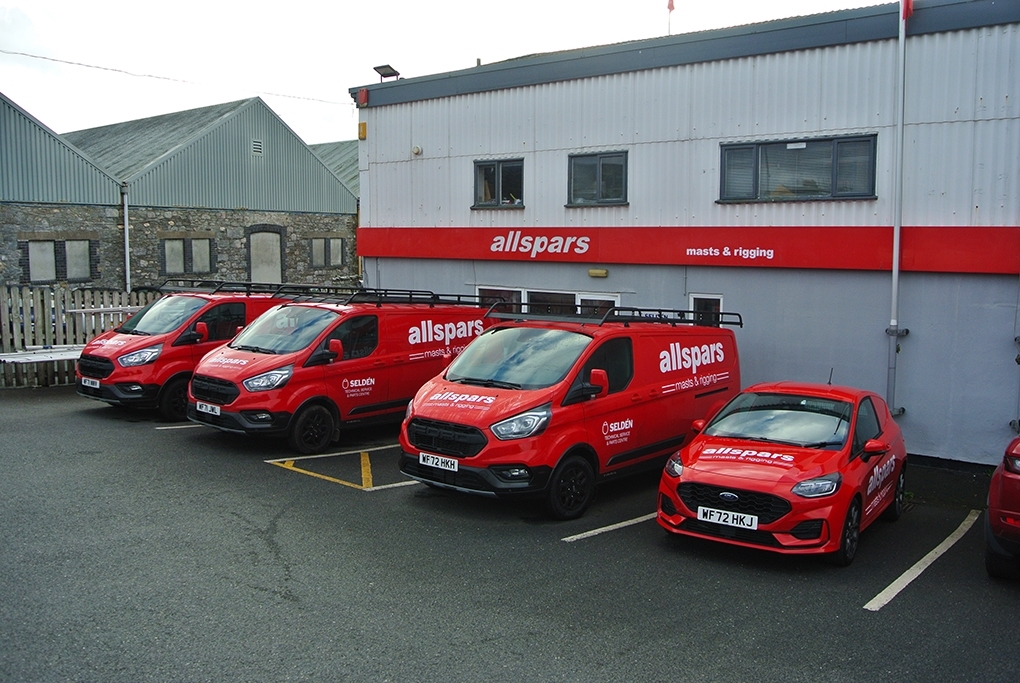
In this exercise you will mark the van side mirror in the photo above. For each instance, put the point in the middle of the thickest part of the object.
(336, 349)
(873, 447)
(599, 380)
(202, 332)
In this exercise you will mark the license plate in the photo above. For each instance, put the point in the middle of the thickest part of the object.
(728, 518)
(90, 383)
(207, 408)
(449, 464)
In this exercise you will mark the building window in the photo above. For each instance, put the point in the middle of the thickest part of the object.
(57, 260)
(328, 252)
(173, 250)
(706, 308)
(186, 256)
(499, 184)
(201, 256)
(827, 168)
(42, 261)
(548, 303)
(78, 259)
(597, 179)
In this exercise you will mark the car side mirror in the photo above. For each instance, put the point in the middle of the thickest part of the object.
(201, 332)
(697, 426)
(599, 380)
(873, 447)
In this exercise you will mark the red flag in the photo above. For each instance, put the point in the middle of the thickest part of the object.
(669, 5)
(908, 8)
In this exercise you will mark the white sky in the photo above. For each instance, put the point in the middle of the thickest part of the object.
(302, 56)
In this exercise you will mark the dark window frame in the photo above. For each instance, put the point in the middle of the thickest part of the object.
(327, 253)
(499, 169)
(731, 196)
(600, 157)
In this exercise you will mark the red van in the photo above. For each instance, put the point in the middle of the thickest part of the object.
(550, 405)
(147, 362)
(309, 367)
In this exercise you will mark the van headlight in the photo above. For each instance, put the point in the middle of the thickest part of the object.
(141, 357)
(818, 487)
(524, 425)
(274, 379)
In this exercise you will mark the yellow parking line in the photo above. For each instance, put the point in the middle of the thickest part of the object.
(289, 465)
(366, 471)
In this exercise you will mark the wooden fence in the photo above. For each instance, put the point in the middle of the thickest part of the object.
(32, 318)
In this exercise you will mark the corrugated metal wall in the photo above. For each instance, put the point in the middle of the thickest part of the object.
(35, 166)
(962, 129)
(220, 171)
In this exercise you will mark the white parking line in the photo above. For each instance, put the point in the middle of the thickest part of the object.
(611, 527)
(410, 482)
(886, 596)
(181, 427)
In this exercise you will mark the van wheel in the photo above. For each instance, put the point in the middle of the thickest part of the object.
(173, 402)
(312, 430)
(571, 488)
(850, 536)
(895, 509)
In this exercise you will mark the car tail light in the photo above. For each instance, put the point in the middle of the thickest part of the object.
(1011, 520)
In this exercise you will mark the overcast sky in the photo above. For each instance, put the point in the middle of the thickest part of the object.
(96, 62)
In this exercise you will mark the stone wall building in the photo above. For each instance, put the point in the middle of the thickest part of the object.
(222, 192)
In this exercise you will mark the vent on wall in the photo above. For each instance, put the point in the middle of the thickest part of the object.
(256, 147)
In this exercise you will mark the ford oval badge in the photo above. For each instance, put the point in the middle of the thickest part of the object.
(729, 497)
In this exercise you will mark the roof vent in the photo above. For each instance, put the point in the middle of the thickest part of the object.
(256, 147)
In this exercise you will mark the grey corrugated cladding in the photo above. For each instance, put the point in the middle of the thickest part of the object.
(238, 155)
(821, 30)
(341, 158)
(37, 166)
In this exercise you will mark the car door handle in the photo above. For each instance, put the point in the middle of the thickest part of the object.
(635, 397)
(379, 363)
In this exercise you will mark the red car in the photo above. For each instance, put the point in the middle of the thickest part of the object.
(788, 467)
(1002, 521)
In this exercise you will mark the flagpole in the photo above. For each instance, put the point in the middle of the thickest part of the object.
(893, 331)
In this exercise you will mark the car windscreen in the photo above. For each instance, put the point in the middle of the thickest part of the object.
(284, 329)
(163, 315)
(790, 419)
(518, 358)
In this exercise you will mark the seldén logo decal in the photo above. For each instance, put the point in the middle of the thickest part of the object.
(533, 245)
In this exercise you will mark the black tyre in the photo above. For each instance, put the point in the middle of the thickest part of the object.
(1001, 566)
(173, 400)
(850, 536)
(312, 430)
(571, 488)
(895, 509)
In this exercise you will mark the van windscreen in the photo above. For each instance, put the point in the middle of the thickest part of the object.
(518, 357)
(162, 315)
(284, 329)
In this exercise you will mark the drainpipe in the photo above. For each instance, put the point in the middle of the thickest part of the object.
(127, 238)
(893, 330)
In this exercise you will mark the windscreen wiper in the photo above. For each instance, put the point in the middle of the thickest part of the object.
(256, 349)
(494, 383)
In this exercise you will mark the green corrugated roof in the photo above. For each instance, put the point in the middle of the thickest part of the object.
(126, 149)
(341, 158)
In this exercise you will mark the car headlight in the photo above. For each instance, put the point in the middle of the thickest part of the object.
(524, 425)
(274, 379)
(818, 487)
(140, 357)
(675, 466)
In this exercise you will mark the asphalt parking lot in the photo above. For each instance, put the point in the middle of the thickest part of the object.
(136, 550)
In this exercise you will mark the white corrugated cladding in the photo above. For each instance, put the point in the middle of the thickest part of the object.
(962, 132)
